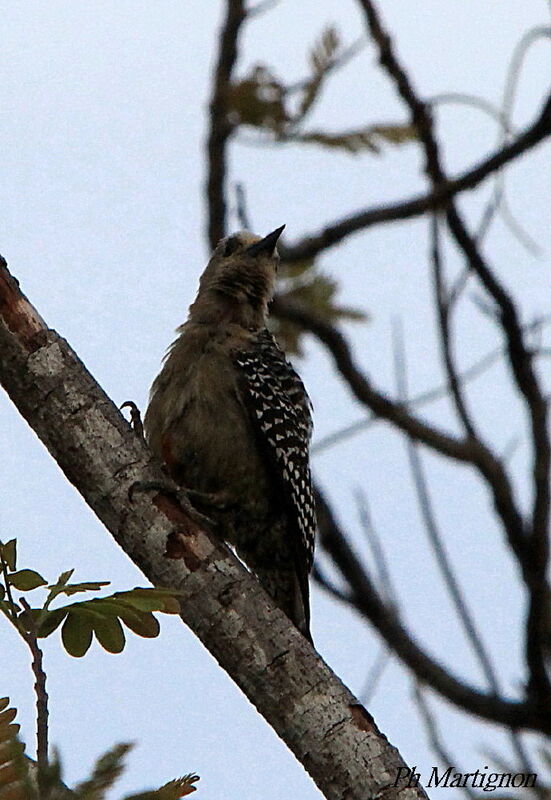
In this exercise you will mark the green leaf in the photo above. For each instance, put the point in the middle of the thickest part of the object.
(258, 100)
(137, 602)
(63, 578)
(6, 607)
(397, 133)
(322, 58)
(146, 599)
(351, 141)
(26, 579)
(7, 716)
(295, 269)
(355, 141)
(9, 553)
(324, 52)
(173, 790)
(14, 773)
(51, 779)
(74, 588)
(50, 621)
(142, 623)
(171, 606)
(316, 293)
(106, 771)
(76, 634)
(109, 634)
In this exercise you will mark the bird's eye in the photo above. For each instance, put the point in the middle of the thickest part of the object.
(231, 246)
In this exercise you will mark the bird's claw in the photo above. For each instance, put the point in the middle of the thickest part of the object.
(181, 495)
(135, 417)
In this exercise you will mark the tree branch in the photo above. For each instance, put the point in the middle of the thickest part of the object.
(428, 516)
(442, 300)
(220, 126)
(367, 601)
(530, 544)
(40, 691)
(423, 398)
(334, 233)
(323, 724)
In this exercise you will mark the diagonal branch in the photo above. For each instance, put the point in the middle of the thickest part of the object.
(365, 598)
(423, 398)
(334, 233)
(322, 723)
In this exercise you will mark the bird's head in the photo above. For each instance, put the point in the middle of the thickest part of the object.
(239, 279)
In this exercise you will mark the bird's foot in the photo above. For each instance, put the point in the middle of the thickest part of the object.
(135, 417)
(217, 501)
(179, 493)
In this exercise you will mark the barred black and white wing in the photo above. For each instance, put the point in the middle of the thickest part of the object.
(279, 409)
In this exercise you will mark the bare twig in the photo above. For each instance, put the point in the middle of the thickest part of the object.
(30, 637)
(375, 674)
(434, 737)
(423, 398)
(220, 126)
(431, 526)
(439, 549)
(340, 61)
(323, 580)
(509, 95)
(241, 207)
(387, 590)
(473, 101)
(442, 303)
(360, 385)
(468, 451)
(261, 8)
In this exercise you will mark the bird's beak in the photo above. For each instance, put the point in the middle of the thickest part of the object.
(265, 246)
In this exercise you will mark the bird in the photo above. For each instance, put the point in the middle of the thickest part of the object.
(231, 420)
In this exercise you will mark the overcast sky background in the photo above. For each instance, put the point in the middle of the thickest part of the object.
(103, 110)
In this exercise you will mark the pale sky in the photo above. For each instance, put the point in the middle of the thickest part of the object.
(104, 114)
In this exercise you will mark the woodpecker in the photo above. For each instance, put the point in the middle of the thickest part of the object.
(231, 420)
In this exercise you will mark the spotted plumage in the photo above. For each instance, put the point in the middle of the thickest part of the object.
(280, 410)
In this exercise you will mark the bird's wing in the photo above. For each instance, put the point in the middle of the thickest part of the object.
(279, 409)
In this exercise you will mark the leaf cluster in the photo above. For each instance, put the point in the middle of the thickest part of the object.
(14, 777)
(262, 101)
(303, 286)
(99, 617)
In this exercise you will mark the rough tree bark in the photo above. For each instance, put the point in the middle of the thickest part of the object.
(319, 719)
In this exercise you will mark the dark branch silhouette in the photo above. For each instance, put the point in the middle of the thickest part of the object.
(220, 126)
(331, 234)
